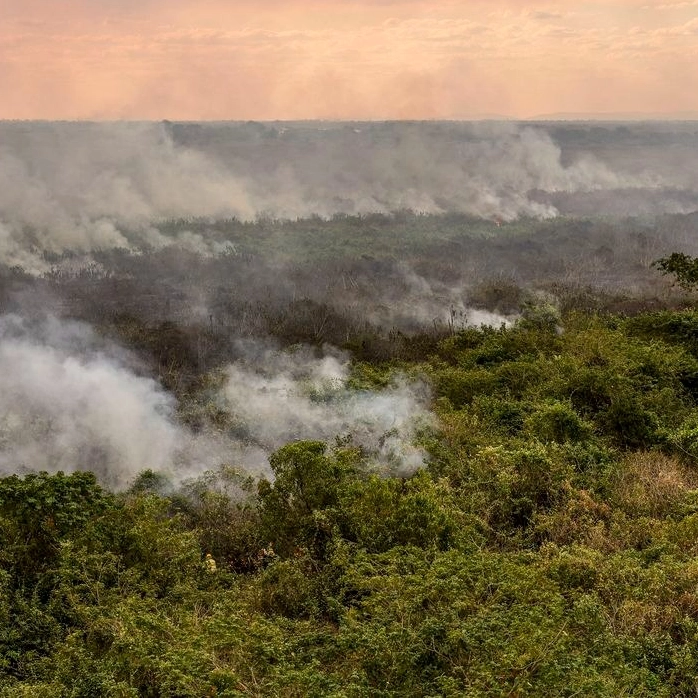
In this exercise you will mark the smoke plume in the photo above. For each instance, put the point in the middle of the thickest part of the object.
(67, 405)
(70, 400)
(84, 187)
(285, 396)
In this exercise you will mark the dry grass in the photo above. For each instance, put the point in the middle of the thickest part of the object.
(649, 487)
(651, 484)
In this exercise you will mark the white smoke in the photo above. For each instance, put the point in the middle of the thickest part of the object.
(423, 302)
(67, 405)
(84, 187)
(280, 397)
(96, 187)
(70, 400)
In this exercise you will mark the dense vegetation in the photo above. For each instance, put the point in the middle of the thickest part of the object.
(548, 548)
(543, 539)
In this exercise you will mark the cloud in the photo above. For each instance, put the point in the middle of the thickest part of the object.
(672, 5)
(545, 15)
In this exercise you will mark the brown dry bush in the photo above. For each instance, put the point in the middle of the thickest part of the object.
(583, 520)
(652, 484)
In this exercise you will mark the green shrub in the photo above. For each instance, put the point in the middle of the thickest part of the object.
(501, 414)
(307, 482)
(380, 513)
(461, 387)
(558, 422)
(289, 588)
(630, 425)
(684, 440)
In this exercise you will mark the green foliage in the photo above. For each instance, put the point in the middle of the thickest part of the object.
(541, 314)
(682, 267)
(220, 507)
(684, 439)
(547, 548)
(40, 510)
(629, 423)
(381, 513)
(557, 421)
(296, 509)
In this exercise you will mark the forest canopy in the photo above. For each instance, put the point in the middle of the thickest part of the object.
(348, 409)
(546, 548)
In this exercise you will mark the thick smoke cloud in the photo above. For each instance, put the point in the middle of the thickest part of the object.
(84, 187)
(70, 400)
(67, 405)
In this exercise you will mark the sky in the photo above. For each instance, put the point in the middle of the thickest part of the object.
(347, 59)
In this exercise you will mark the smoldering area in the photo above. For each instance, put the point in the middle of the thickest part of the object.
(180, 296)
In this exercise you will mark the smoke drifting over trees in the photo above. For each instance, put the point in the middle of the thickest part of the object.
(84, 187)
(348, 409)
(283, 397)
(66, 405)
(70, 401)
(176, 295)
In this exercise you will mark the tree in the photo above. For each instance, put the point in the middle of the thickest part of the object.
(40, 510)
(307, 484)
(683, 268)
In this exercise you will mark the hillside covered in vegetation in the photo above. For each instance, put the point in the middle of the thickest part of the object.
(547, 547)
(348, 409)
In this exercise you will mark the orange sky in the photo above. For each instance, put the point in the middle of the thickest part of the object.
(345, 59)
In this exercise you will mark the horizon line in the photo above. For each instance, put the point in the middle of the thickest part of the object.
(549, 118)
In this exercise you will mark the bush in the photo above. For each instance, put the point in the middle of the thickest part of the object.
(629, 424)
(380, 513)
(288, 588)
(558, 422)
(307, 482)
(684, 440)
